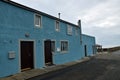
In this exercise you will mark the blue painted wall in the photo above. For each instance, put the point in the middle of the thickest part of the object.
(16, 22)
(89, 41)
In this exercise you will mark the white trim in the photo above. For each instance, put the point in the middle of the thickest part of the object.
(38, 26)
(60, 46)
(55, 44)
(34, 52)
(76, 31)
(44, 52)
(58, 30)
(69, 29)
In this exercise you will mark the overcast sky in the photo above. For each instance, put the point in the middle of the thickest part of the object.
(100, 18)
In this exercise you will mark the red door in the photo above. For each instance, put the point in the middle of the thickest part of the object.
(26, 55)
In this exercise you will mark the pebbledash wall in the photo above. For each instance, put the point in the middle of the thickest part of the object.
(17, 23)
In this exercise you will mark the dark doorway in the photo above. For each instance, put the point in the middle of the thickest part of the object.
(93, 47)
(48, 52)
(85, 49)
(26, 48)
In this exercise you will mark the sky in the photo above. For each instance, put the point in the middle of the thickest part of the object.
(100, 18)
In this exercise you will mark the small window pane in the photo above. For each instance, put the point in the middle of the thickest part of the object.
(76, 31)
(57, 26)
(38, 20)
(69, 30)
(64, 46)
(53, 46)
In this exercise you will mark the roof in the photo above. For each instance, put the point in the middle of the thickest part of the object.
(98, 45)
(88, 35)
(36, 11)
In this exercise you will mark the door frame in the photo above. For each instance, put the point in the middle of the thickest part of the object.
(44, 51)
(34, 55)
(85, 50)
(94, 50)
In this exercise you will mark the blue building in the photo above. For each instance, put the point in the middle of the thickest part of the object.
(88, 45)
(30, 39)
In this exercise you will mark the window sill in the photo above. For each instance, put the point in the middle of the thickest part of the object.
(69, 34)
(38, 26)
(64, 52)
(57, 30)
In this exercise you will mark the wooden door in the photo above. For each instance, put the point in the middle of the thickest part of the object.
(26, 55)
(48, 52)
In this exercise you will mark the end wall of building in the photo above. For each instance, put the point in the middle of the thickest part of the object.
(88, 45)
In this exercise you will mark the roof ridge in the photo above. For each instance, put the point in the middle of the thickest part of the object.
(36, 11)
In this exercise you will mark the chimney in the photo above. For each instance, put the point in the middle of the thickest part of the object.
(59, 15)
(79, 25)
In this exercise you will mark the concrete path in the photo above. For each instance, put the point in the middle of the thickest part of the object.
(36, 72)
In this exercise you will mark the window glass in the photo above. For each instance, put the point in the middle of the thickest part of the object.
(57, 26)
(69, 30)
(64, 46)
(38, 20)
(53, 46)
(76, 31)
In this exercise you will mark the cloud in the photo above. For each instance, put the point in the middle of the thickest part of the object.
(99, 17)
(103, 21)
(103, 14)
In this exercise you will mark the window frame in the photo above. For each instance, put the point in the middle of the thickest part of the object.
(54, 46)
(57, 27)
(40, 21)
(69, 29)
(64, 51)
(76, 31)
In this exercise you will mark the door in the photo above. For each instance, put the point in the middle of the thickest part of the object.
(85, 49)
(26, 55)
(93, 47)
(48, 52)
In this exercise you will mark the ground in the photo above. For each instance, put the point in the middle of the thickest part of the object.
(99, 67)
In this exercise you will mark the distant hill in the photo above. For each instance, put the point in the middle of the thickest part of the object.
(112, 49)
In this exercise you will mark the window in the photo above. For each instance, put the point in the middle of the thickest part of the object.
(53, 46)
(76, 31)
(37, 20)
(57, 27)
(69, 30)
(64, 46)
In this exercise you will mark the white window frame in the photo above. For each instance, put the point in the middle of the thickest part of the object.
(69, 30)
(57, 26)
(40, 21)
(54, 46)
(64, 51)
(76, 31)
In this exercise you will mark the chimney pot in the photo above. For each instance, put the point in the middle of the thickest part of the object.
(59, 15)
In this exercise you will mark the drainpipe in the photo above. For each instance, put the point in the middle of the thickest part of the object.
(79, 25)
